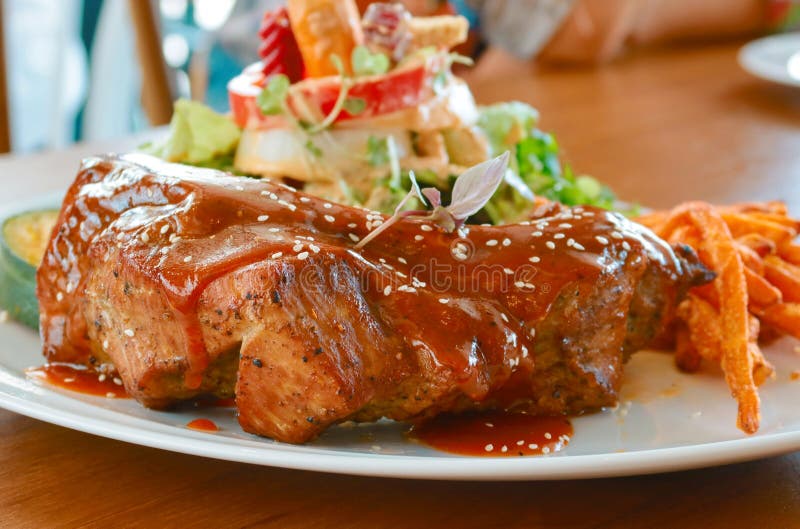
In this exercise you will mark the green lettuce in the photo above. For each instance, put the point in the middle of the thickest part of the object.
(198, 136)
(535, 165)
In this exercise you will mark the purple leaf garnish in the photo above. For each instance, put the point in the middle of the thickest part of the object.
(472, 190)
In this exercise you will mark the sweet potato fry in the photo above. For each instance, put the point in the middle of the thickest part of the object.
(785, 277)
(790, 253)
(772, 206)
(737, 363)
(703, 322)
(751, 248)
(760, 292)
(783, 316)
(750, 258)
(740, 224)
(762, 369)
(758, 243)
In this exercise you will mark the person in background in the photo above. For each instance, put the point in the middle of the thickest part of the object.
(596, 31)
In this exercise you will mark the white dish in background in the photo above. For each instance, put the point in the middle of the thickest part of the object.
(667, 420)
(775, 58)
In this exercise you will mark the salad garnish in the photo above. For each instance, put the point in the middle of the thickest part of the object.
(471, 191)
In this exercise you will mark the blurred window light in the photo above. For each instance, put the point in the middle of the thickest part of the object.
(176, 50)
(173, 9)
(794, 66)
(212, 14)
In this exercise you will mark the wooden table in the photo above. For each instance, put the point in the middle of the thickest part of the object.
(660, 128)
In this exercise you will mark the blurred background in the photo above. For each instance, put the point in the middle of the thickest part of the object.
(74, 68)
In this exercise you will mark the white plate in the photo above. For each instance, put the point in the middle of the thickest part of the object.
(667, 420)
(775, 58)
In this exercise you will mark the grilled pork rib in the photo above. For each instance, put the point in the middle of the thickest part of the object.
(194, 282)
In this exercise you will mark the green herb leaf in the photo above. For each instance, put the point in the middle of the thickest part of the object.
(354, 105)
(377, 151)
(272, 98)
(367, 63)
(313, 149)
(338, 64)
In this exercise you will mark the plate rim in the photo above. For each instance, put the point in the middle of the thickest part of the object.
(748, 59)
(447, 467)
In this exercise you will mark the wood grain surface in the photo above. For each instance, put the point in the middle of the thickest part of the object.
(660, 127)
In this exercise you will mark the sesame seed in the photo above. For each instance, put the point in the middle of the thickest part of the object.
(102, 377)
(297, 247)
(187, 259)
(491, 242)
(601, 239)
(551, 245)
(426, 227)
(327, 205)
(402, 260)
(504, 449)
(387, 290)
(145, 237)
(444, 301)
(503, 317)
(276, 255)
(506, 242)
(533, 446)
(305, 199)
(559, 236)
(418, 237)
(274, 230)
(353, 237)
(534, 259)
(545, 449)
(530, 286)
(489, 447)
(117, 381)
(616, 235)
(105, 344)
(302, 256)
(508, 271)
(314, 248)
(129, 333)
(520, 442)
(578, 246)
(490, 425)
(110, 395)
(265, 193)
(330, 218)
(565, 225)
(519, 284)
(548, 435)
(263, 218)
(626, 245)
(352, 225)
(537, 234)
(570, 241)
(524, 352)
(59, 296)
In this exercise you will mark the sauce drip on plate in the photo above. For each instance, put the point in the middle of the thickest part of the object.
(80, 379)
(495, 434)
(203, 425)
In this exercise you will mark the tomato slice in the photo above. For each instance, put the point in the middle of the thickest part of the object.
(382, 94)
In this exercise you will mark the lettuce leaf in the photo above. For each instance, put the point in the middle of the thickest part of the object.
(535, 161)
(198, 136)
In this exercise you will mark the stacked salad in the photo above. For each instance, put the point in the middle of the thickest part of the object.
(346, 107)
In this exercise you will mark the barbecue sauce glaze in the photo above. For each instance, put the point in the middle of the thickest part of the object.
(471, 299)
